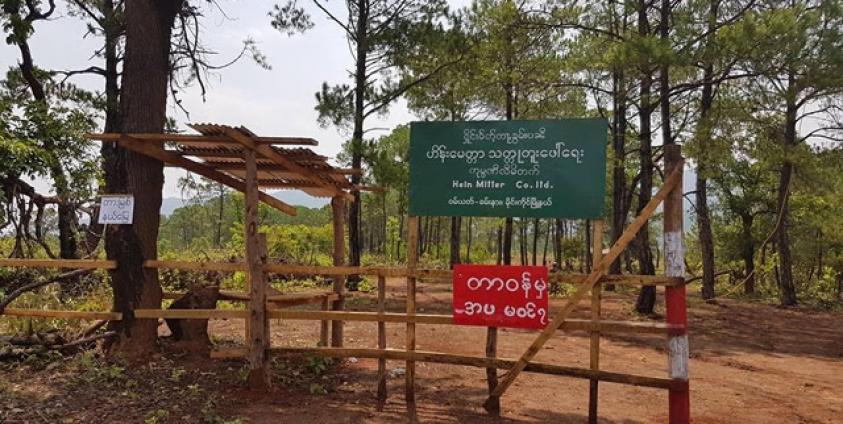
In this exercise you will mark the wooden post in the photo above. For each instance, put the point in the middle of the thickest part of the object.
(258, 326)
(494, 407)
(596, 294)
(412, 262)
(325, 325)
(679, 402)
(381, 343)
(338, 215)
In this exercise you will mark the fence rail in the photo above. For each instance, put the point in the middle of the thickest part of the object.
(424, 274)
(466, 360)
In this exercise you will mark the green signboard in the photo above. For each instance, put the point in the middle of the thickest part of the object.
(546, 168)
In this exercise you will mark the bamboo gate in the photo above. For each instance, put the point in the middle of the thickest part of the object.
(243, 161)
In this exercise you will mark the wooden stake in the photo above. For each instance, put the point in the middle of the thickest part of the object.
(679, 402)
(381, 344)
(594, 359)
(258, 327)
(620, 245)
(325, 325)
(338, 216)
(412, 262)
(492, 372)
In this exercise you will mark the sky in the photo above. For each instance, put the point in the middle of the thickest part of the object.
(276, 102)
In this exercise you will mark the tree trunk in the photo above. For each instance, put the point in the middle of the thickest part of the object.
(557, 242)
(362, 48)
(499, 245)
(507, 242)
(820, 256)
(620, 208)
(143, 103)
(748, 253)
(112, 27)
(456, 223)
(706, 237)
(647, 297)
(468, 242)
(522, 241)
(787, 292)
(546, 242)
(536, 232)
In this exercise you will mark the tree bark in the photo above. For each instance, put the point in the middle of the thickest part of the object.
(456, 223)
(143, 104)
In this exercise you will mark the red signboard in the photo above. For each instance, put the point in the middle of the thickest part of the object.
(501, 296)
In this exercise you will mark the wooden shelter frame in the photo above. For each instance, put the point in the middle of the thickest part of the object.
(245, 155)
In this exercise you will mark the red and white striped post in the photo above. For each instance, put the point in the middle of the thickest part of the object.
(679, 400)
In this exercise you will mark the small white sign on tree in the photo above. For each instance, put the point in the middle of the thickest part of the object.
(116, 209)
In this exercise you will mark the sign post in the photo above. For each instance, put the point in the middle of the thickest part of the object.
(501, 296)
(116, 209)
(540, 169)
(537, 169)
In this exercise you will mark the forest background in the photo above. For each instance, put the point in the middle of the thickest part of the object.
(751, 89)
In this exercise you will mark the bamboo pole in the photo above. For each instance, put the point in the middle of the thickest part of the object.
(381, 344)
(412, 263)
(614, 252)
(594, 351)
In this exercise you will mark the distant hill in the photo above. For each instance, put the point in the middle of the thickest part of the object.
(170, 204)
(293, 197)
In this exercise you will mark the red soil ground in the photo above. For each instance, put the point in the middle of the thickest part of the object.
(750, 363)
